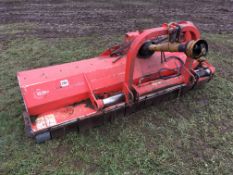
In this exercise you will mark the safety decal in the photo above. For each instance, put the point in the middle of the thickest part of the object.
(45, 121)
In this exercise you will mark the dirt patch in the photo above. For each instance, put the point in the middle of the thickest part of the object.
(56, 18)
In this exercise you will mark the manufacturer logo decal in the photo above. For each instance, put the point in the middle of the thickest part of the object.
(38, 93)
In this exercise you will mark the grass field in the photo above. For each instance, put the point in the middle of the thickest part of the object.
(189, 135)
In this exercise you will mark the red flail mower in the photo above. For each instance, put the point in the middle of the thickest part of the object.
(124, 78)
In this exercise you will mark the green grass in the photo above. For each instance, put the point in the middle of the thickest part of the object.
(16, 28)
(189, 135)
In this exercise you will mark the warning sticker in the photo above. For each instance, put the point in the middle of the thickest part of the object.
(50, 120)
(45, 121)
(40, 123)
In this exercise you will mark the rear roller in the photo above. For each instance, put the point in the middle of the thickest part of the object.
(43, 137)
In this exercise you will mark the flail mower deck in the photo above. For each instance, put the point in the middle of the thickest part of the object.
(148, 64)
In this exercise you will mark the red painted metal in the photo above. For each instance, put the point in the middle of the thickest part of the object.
(189, 30)
(60, 94)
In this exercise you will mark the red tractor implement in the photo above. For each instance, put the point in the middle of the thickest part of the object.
(148, 64)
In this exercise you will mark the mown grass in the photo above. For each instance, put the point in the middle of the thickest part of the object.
(189, 135)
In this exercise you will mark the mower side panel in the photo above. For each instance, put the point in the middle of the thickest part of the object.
(53, 87)
(50, 124)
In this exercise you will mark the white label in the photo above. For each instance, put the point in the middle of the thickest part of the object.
(50, 120)
(40, 123)
(45, 121)
(64, 83)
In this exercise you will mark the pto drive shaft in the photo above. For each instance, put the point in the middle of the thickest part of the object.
(193, 49)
